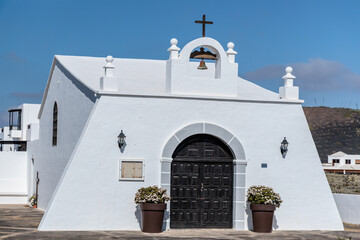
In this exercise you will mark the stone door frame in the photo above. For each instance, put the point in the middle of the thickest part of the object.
(240, 164)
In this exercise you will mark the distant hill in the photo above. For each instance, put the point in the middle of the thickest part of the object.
(334, 129)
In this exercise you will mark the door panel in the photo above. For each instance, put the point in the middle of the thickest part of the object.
(184, 205)
(201, 184)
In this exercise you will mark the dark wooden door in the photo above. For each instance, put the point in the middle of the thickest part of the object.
(201, 184)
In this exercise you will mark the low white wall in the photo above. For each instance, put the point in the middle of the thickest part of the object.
(349, 207)
(13, 172)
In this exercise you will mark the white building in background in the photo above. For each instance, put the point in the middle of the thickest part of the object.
(23, 128)
(341, 162)
(205, 135)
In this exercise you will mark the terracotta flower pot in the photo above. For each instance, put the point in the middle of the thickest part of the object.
(262, 217)
(152, 216)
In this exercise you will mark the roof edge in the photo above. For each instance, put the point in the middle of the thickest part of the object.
(47, 87)
(54, 63)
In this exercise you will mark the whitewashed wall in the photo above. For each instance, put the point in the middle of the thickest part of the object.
(32, 133)
(99, 201)
(6, 133)
(13, 181)
(74, 102)
(349, 207)
(32, 150)
(29, 115)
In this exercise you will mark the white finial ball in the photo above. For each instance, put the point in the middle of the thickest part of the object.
(231, 45)
(109, 59)
(288, 69)
(173, 41)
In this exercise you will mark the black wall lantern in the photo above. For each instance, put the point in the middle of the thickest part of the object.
(121, 139)
(284, 147)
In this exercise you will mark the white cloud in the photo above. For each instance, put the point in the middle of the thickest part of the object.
(266, 73)
(316, 74)
(13, 57)
(27, 95)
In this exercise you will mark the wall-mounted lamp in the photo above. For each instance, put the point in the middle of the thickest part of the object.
(121, 139)
(284, 147)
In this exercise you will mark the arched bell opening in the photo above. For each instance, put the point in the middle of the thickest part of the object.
(200, 54)
(205, 55)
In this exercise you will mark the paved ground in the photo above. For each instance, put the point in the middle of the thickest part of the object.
(20, 222)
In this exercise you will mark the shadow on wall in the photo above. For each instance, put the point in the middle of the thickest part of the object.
(249, 219)
(122, 148)
(137, 214)
(82, 87)
(166, 217)
(275, 226)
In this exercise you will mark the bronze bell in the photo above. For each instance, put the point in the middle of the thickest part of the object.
(202, 65)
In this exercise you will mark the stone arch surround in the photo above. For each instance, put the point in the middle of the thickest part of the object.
(240, 164)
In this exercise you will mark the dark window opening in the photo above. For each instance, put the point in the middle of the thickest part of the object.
(15, 119)
(17, 146)
(335, 161)
(55, 124)
(348, 161)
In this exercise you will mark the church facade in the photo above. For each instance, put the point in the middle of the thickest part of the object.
(205, 135)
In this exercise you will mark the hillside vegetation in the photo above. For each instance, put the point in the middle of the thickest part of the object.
(334, 129)
(341, 183)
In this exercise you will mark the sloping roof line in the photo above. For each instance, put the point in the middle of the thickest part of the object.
(54, 63)
(85, 72)
(338, 154)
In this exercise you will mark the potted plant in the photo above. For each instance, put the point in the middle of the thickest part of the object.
(263, 202)
(152, 201)
(33, 201)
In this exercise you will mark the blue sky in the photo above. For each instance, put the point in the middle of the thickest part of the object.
(319, 39)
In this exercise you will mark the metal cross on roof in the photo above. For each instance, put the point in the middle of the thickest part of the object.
(203, 22)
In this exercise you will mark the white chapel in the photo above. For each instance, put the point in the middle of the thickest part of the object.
(109, 126)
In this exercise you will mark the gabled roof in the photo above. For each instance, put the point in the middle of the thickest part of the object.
(142, 76)
(135, 75)
(139, 76)
(338, 154)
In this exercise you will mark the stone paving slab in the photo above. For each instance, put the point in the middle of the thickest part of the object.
(197, 234)
(20, 222)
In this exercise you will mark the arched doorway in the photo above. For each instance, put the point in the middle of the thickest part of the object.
(202, 184)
